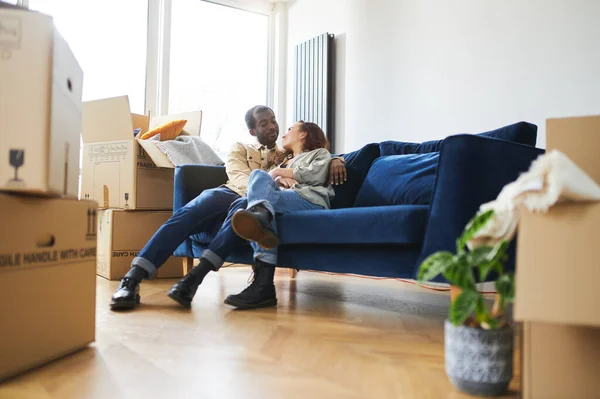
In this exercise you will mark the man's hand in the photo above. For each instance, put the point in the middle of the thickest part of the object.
(286, 182)
(337, 172)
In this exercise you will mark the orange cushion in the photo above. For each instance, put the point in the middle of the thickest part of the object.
(168, 131)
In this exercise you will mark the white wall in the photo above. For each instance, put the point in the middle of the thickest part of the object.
(415, 70)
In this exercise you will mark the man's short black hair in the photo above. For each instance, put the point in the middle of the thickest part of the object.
(250, 119)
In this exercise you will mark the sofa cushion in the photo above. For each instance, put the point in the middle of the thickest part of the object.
(398, 224)
(357, 167)
(522, 133)
(373, 225)
(399, 180)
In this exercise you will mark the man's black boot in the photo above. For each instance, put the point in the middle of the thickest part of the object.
(259, 294)
(254, 224)
(183, 292)
(127, 295)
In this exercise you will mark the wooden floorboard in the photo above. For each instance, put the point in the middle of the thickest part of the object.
(329, 337)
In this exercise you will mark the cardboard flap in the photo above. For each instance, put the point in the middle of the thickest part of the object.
(192, 127)
(107, 120)
(160, 159)
(557, 269)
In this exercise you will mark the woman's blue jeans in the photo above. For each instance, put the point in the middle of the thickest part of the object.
(263, 190)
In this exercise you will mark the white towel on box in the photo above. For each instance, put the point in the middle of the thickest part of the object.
(552, 178)
(186, 150)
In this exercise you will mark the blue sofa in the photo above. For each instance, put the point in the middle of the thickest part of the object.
(402, 202)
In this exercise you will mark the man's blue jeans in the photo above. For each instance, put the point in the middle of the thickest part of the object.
(203, 214)
(263, 190)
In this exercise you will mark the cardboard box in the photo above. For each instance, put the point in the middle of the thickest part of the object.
(557, 272)
(117, 171)
(47, 280)
(557, 278)
(579, 139)
(121, 236)
(557, 297)
(560, 361)
(557, 266)
(40, 106)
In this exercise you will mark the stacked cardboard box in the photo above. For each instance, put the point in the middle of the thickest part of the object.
(557, 294)
(130, 179)
(47, 243)
(121, 236)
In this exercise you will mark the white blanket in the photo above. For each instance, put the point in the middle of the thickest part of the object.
(552, 178)
(185, 150)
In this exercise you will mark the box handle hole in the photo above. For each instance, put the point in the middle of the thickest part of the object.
(45, 241)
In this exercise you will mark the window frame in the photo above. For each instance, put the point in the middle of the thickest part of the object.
(159, 49)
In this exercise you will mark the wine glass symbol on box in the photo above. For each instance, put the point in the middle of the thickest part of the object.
(16, 160)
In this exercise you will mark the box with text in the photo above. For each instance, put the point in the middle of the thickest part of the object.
(47, 279)
(117, 172)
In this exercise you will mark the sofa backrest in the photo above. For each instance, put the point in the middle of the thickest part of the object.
(400, 173)
(521, 132)
(405, 173)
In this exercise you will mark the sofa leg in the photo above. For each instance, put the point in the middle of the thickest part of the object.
(293, 273)
(188, 264)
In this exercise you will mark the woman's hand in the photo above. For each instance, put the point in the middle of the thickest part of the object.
(274, 173)
(337, 172)
(286, 182)
(282, 172)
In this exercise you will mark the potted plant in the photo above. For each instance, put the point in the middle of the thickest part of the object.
(478, 338)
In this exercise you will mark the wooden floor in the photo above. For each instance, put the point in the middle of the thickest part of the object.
(330, 337)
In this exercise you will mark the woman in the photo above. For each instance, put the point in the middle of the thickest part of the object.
(300, 183)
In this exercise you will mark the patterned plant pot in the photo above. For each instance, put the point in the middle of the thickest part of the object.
(479, 362)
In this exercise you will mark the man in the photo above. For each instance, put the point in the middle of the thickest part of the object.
(207, 211)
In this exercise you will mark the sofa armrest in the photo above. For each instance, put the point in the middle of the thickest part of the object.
(191, 180)
(472, 170)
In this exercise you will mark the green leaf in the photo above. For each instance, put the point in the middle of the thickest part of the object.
(463, 306)
(434, 265)
(479, 255)
(474, 225)
(486, 268)
(462, 259)
(497, 252)
(494, 260)
(505, 285)
(459, 273)
(481, 311)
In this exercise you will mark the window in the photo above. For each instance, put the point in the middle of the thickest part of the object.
(217, 57)
(108, 38)
(218, 64)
